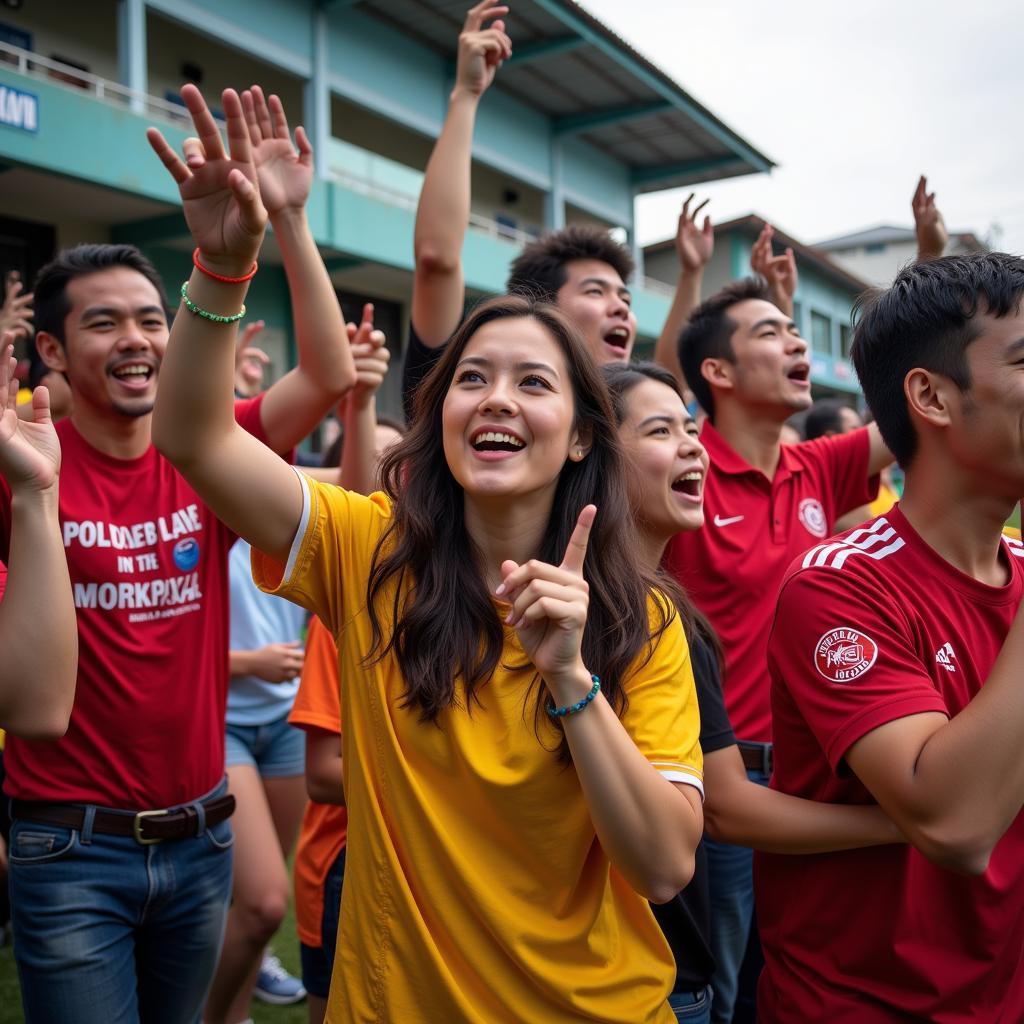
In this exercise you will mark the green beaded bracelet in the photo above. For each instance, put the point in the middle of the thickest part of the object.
(571, 709)
(205, 314)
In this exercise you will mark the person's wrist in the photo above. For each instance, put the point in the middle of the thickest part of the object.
(464, 94)
(289, 217)
(569, 686)
(227, 265)
(42, 500)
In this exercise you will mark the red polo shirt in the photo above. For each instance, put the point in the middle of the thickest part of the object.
(753, 529)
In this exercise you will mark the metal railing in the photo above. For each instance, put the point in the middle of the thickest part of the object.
(34, 65)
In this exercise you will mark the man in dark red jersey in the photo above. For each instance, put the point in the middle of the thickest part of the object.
(120, 848)
(895, 660)
(765, 502)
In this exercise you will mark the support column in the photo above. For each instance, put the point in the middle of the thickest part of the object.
(318, 94)
(554, 201)
(634, 239)
(131, 50)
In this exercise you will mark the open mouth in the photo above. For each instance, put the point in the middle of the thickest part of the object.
(133, 374)
(689, 484)
(800, 374)
(497, 441)
(618, 338)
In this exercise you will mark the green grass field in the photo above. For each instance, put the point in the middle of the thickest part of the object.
(286, 946)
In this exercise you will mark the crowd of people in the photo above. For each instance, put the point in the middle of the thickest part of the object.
(581, 695)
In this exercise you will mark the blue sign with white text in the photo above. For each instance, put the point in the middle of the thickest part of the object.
(19, 109)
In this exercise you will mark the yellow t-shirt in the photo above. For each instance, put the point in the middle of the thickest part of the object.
(887, 497)
(475, 887)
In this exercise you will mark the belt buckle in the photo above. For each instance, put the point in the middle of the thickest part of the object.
(767, 759)
(137, 827)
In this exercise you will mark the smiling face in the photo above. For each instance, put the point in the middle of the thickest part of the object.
(508, 420)
(115, 335)
(668, 463)
(597, 300)
(769, 370)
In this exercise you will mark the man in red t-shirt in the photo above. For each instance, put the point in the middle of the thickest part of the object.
(764, 503)
(895, 660)
(118, 904)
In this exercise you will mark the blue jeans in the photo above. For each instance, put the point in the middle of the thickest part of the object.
(275, 749)
(318, 962)
(731, 878)
(692, 1007)
(107, 931)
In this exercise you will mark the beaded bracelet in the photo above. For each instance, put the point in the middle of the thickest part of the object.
(221, 277)
(214, 317)
(571, 709)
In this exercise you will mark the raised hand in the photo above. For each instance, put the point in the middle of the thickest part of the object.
(220, 194)
(694, 245)
(285, 171)
(370, 355)
(932, 235)
(278, 663)
(778, 271)
(549, 611)
(481, 50)
(16, 312)
(29, 449)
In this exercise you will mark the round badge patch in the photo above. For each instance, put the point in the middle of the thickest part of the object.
(186, 554)
(843, 654)
(812, 515)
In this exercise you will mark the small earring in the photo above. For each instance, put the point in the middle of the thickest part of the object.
(579, 453)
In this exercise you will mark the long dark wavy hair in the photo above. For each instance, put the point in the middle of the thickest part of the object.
(441, 623)
(621, 378)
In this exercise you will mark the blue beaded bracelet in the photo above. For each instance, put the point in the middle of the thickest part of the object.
(571, 709)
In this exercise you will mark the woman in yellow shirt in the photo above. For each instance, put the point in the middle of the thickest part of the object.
(509, 815)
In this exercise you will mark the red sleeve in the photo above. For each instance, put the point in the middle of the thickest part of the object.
(844, 650)
(843, 463)
(248, 416)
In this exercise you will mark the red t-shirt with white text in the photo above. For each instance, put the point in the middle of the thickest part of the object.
(753, 529)
(872, 628)
(148, 564)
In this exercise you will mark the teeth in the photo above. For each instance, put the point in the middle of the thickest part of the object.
(131, 371)
(695, 475)
(491, 435)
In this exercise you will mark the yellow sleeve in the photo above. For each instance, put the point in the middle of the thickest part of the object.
(329, 562)
(662, 717)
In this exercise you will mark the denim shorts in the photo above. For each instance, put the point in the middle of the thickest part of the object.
(276, 749)
(317, 961)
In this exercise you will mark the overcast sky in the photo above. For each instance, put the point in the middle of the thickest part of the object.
(852, 101)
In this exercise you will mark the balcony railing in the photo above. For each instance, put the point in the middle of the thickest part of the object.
(34, 65)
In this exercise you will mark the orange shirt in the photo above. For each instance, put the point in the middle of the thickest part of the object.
(317, 706)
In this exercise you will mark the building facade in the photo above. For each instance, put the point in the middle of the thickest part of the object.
(576, 125)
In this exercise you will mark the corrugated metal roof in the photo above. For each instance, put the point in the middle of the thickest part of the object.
(594, 85)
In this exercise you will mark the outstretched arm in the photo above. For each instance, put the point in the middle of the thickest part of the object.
(442, 215)
(38, 633)
(932, 236)
(694, 246)
(741, 812)
(244, 482)
(778, 271)
(296, 403)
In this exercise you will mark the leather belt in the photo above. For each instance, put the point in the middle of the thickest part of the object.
(145, 827)
(757, 757)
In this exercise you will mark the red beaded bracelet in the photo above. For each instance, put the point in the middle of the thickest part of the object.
(221, 277)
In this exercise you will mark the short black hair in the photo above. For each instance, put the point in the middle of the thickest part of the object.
(708, 334)
(927, 318)
(50, 301)
(539, 270)
(824, 417)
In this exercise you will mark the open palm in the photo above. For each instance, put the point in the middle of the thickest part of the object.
(219, 192)
(285, 170)
(29, 449)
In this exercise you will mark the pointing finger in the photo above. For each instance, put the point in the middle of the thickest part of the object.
(576, 552)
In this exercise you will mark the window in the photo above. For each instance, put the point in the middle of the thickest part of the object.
(821, 333)
(845, 340)
(875, 247)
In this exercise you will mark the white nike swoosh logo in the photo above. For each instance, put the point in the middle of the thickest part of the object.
(719, 521)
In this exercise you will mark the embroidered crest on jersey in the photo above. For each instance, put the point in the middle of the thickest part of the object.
(812, 515)
(844, 653)
(945, 656)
